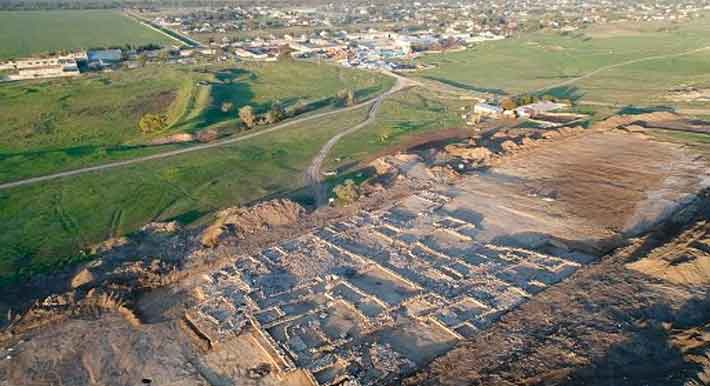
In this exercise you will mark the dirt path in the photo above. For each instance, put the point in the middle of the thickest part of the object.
(609, 67)
(312, 176)
(191, 149)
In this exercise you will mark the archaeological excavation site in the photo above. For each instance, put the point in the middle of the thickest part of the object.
(569, 256)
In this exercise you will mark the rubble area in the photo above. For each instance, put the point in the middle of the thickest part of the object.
(441, 261)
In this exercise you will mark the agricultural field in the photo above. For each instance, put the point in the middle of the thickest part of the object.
(577, 65)
(57, 125)
(36, 32)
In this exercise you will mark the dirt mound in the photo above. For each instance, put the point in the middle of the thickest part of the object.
(392, 164)
(477, 154)
(624, 120)
(206, 135)
(160, 227)
(446, 173)
(241, 222)
(688, 265)
(83, 277)
(175, 138)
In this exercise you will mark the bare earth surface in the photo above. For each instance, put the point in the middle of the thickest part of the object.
(580, 257)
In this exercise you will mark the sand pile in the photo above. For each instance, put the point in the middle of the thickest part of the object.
(241, 222)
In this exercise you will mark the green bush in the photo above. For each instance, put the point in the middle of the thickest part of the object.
(151, 123)
(346, 193)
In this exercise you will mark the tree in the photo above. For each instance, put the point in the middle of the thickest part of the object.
(347, 193)
(278, 111)
(526, 100)
(150, 123)
(246, 115)
(299, 108)
(227, 107)
(508, 104)
(346, 97)
(269, 118)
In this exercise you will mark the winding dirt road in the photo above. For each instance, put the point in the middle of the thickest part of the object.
(312, 176)
(90, 169)
(609, 67)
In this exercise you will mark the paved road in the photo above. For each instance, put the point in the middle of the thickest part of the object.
(191, 149)
(312, 176)
(634, 61)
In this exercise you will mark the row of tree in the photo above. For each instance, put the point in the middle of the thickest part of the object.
(511, 103)
(278, 112)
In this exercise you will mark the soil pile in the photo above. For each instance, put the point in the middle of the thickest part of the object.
(688, 265)
(175, 138)
(242, 222)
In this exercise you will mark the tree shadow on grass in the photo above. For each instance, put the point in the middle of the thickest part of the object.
(367, 92)
(636, 110)
(469, 87)
(233, 87)
(571, 93)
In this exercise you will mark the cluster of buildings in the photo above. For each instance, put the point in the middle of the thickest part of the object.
(499, 17)
(66, 65)
(370, 34)
(372, 49)
(61, 65)
(75, 63)
(531, 110)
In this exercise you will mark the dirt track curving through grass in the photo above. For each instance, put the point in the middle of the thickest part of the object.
(401, 83)
(312, 175)
(611, 66)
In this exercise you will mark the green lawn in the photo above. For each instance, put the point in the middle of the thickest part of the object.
(25, 33)
(44, 225)
(541, 60)
(49, 126)
(411, 112)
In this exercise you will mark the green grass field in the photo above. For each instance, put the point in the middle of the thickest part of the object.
(35, 32)
(412, 112)
(46, 224)
(542, 60)
(57, 125)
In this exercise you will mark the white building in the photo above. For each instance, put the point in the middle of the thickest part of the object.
(38, 68)
(534, 109)
(488, 110)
